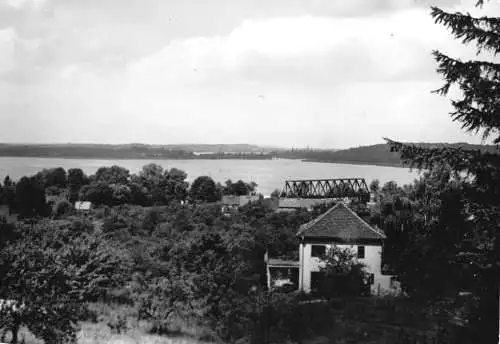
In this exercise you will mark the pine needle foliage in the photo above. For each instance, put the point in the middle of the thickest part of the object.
(478, 111)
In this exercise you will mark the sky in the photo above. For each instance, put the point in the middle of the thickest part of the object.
(290, 73)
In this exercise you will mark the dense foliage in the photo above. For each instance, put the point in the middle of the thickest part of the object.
(344, 275)
(52, 271)
(141, 245)
(459, 234)
(190, 261)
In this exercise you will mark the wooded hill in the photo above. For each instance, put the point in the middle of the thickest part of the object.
(372, 155)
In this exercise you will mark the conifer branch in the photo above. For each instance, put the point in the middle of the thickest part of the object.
(479, 81)
(485, 31)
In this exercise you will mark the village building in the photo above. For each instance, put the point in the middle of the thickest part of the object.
(293, 204)
(281, 272)
(341, 227)
(232, 202)
(83, 206)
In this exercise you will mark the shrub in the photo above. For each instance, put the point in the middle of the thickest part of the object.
(102, 212)
(81, 225)
(117, 323)
(62, 208)
(54, 272)
(152, 218)
(280, 318)
(344, 275)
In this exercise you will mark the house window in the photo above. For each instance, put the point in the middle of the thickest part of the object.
(318, 250)
(316, 280)
(361, 252)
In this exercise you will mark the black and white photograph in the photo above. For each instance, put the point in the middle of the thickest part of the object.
(249, 171)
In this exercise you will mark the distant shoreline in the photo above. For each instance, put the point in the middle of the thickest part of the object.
(127, 158)
(374, 155)
(345, 162)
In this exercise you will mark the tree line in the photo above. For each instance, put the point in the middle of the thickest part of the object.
(55, 190)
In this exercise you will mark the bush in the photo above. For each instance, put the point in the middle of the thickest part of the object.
(62, 208)
(82, 225)
(52, 271)
(344, 275)
(152, 218)
(102, 212)
(54, 190)
(117, 323)
(280, 318)
(121, 296)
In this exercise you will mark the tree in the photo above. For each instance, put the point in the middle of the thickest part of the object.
(240, 188)
(344, 275)
(204, 189)
(62, 207)
(138, 193)
(151, 178)
(7, 232)
(9, 192)
(152, 173)
(161, 298)
(112, 175)
(163, 186)
(477, 110)
(97, 193)
(174, 185)
(375, 186)
(52, 177)
(76, 180)
(219, 266)
(120, 194)
(151, 218)
(30, 198)
(393, 212)
(276, 193)
(53, 273)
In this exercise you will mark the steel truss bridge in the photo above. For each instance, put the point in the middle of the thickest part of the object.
(354, 188)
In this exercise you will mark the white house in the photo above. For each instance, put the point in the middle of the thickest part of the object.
(342, 227)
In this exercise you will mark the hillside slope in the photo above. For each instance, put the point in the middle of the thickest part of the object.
(378, 154)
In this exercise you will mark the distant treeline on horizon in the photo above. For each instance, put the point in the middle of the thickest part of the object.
(378, 154)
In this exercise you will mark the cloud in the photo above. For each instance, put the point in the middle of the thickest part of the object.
(7, 49)
(27, 4)
(312, 51)
(296, 72)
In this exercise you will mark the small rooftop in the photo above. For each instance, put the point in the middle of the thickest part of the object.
(341, 223)
(83, 205)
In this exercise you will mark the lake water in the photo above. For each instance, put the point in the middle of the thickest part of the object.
(268, 174)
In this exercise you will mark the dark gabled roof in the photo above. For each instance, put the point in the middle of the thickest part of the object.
(339, 222)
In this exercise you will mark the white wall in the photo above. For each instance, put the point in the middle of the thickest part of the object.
(372, 260)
